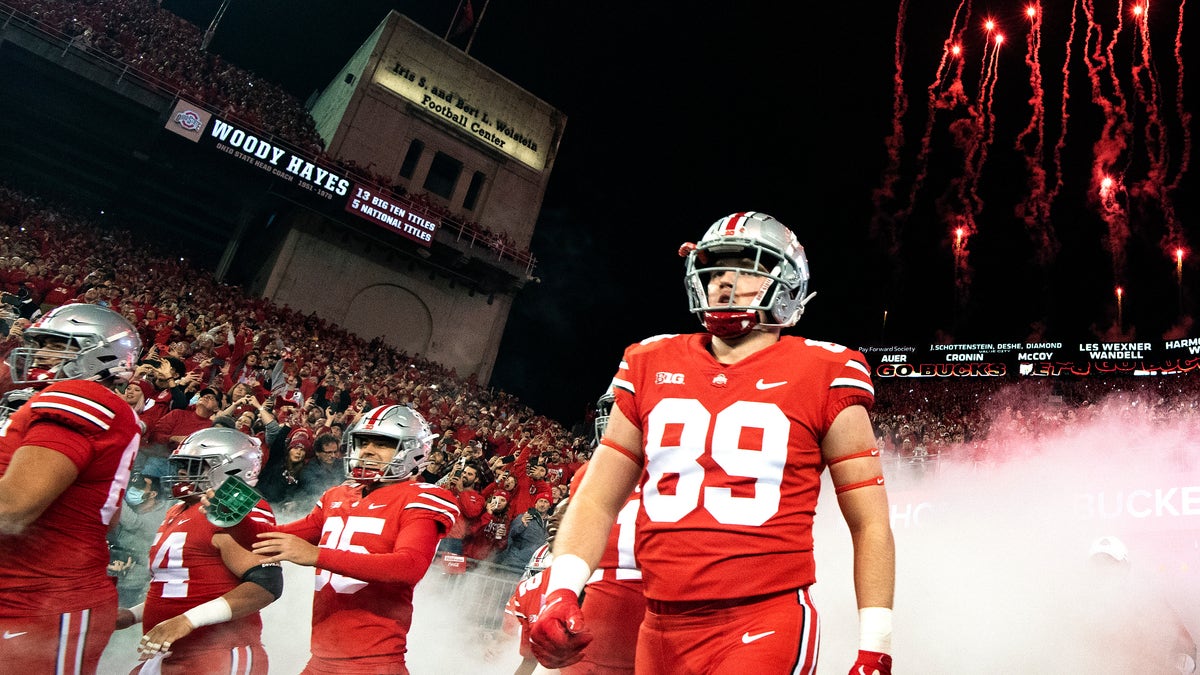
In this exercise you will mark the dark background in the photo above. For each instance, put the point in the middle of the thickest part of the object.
(679, 114)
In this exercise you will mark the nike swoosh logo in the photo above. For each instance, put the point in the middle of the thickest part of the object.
(372, 507)
(768, 385)
(182, 521)
(8, 635)
(879, 481)
(747, 638)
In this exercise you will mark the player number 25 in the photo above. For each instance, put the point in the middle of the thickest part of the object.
(337, 535)
(692, 421)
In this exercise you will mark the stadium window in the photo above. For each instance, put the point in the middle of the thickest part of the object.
(443, 175)
(473, 191)
(411, 158)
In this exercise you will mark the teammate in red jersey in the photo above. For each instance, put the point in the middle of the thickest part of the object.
(65, 456)
(371, 540)
(206, 587)
(728, 433)
(522, 607)
(613, 599)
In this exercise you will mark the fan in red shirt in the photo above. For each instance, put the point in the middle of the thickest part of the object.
(371, 540)
(727, 433)
(202, 610)
(66, 457)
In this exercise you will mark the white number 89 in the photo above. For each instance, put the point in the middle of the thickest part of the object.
(765, 466)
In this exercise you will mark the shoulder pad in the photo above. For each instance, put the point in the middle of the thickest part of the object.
(656, 338)
(86, 410)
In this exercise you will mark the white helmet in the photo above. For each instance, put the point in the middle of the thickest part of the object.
(207, 457)
(100, 345)
(748, 243)
(539, 561)
(401, 424)
(1109, 546)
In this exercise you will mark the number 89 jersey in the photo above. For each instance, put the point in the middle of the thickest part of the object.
(733, 460)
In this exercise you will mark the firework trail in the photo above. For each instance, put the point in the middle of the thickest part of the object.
(949, 99)
(987, 113)
(1185, 117)
(974, 135)
(1035, 212)
(1174, 239)
(1109, 148)
(895, 142)
(1065, 115)
(1148, 95)
(1148, 91)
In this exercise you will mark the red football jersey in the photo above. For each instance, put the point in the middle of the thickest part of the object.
(59, 563)
(732, 460)
(524, 605)
(376, 614)
(619, 561)
(186, 571)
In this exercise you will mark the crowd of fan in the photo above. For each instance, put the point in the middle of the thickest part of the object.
(218, 356)
(976, 418)
(167, 50)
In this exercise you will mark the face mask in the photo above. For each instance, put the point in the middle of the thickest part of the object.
(135, 496)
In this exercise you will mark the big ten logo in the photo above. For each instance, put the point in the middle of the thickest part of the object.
(668, 378)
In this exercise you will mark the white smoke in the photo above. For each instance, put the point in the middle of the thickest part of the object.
(992, 560)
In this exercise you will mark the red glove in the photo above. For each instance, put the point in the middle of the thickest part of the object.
(557, 635)
(871, 663)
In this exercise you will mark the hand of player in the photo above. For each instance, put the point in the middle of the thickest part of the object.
(872, 663)
(278, 546)
(158, 640)
(558, 635)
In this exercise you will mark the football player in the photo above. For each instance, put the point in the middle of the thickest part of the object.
(66, 456)
(728, 432)
(371, 540)
(523, 606)
(206, 587)
(613, 602)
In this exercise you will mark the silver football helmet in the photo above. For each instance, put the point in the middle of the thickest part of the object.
(747, 244)
(207, 457)
(604, 408)
(405, 428)
(539, 561)
(77, 342)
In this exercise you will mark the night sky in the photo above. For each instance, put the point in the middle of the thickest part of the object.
(680, 114)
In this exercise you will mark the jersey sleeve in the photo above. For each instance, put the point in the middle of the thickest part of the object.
(624, 387)
(66, 421)
(413, 552)
(849, 385)
(431, 501)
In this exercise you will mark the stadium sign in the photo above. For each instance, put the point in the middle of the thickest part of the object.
(1035, 359)
(323, 186)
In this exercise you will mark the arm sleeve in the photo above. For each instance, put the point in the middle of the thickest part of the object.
(406, 564)
(62, 439)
